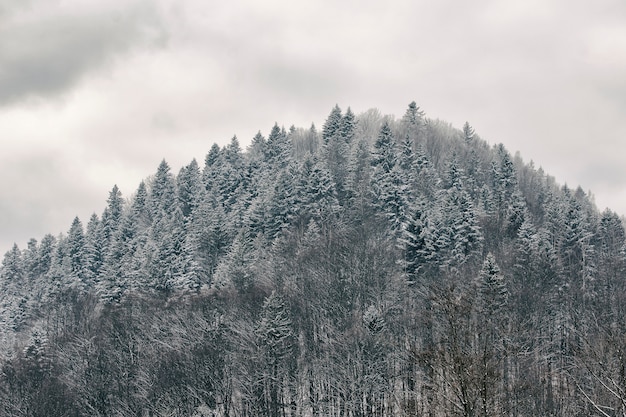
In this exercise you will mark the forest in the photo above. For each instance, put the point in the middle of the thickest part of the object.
(377, 267)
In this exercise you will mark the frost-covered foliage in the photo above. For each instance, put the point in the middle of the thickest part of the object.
(376, 268)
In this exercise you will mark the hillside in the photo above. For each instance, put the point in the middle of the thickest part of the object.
(377, 267)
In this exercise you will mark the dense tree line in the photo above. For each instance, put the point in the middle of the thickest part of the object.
(377, 267)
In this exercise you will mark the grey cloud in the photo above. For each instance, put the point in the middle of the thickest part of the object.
(49, 54)
(520, 75)
(607, 174)
(40, 196)
(8, 7)
(304, 80)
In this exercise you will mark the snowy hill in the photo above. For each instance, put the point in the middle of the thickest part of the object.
(377, 267)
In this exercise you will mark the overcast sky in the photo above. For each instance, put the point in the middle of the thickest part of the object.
(95, 93)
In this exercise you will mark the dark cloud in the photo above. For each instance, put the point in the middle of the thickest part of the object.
(46, 53)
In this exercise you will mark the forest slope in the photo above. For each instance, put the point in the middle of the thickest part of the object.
(379, 267)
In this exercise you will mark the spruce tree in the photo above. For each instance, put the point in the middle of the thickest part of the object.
(189, 186)
(332, 125)
(76, 255)
(162, 198)
(12, 266)
(112, 216)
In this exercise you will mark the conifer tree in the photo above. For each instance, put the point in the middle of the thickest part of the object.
(516, 215)
(94, 252)
(413, 122)
(348, 126)
(316, 193)
(493, 289)
(210, 234)
(169, 264)
(46, 251)
(12, 267)
(257, 147)
(162, 198)
(359, 181)
(524, 262)
(237, 267)
(413, 115)
(278, 148)
(384, 155)
(426, 177)
(139, 207)
(467, 234)
(281, 204)
(388, 185)
(112, 216)
(610, 244)
(418, 243)
(468, 132)
(30, 258)
(211, 165)
(189, 186)
(76, 255)
(333, 124)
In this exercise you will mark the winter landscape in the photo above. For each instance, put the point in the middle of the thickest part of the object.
(375, 267)
(312, 208)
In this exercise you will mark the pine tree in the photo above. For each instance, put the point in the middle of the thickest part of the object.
(577, 249)
(46, 251)
(525, 249)
(231, 176)
(455, 175)
(278, 149)
(516, 215)
(189, 187)
(76, 255)
(359, 180)
(333, 124)
(169, 264)
(36, 358)
(12, 266)
(384, 155)
(30, 258)
(493, 289)
(610, 244)
(112, 216)
(335, 153)
(504, 176)
(162, 198)
(281, 204)
(315, 195)
(468, 237)
(413, 115)
(468, 132)
(427, 181)
(413, 122)
(94, 252)
(210, 234)
(418, 243)
(237, 267)
(139, 209)
(257, 147)
(348, 126)
(389, 188)
(406, 167)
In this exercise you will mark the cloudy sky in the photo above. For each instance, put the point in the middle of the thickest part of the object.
(95, 93)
